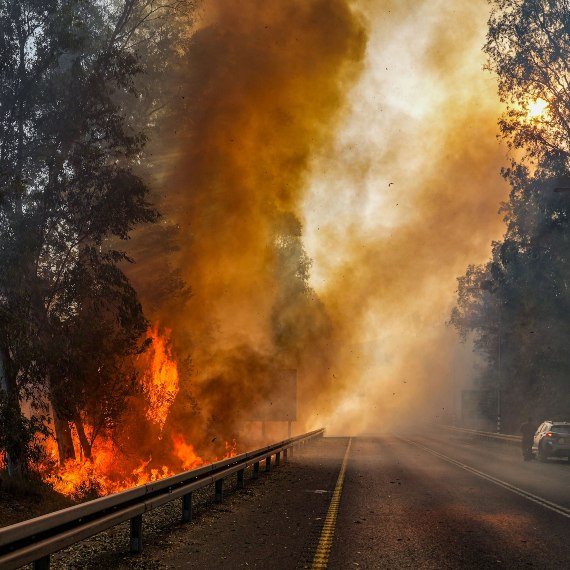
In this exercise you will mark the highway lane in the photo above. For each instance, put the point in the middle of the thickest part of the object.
(550, 480)
(400, 505)
(404, 507)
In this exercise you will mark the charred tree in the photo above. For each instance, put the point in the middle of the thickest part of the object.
(63, 438)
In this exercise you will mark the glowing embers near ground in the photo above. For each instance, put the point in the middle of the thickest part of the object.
(105, 473)
(109, 469)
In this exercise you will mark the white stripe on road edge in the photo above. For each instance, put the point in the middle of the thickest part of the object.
(325, 541)
(534, 498)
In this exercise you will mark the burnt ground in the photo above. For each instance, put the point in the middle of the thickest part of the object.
(21, 500)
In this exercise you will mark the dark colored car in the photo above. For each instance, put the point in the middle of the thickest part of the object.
(552, 439)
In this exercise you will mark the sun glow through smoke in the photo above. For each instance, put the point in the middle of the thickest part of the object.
(537, 109)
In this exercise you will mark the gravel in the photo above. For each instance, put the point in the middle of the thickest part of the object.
(111, 548)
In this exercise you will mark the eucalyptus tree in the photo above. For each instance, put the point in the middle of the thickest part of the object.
(71, 143)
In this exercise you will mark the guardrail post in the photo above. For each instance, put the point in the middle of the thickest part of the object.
(285, 455)
(136, 534)
(42, 563)
(268, 463)
(219, 496)
(240, 475)
(187, 507)
(255, 470)
(277, 458)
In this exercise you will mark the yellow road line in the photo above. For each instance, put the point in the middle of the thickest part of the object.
(325, 541)
(517, 490)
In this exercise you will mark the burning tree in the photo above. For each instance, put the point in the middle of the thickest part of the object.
(68, 192)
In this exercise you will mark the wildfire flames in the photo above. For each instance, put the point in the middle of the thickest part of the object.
(161, 382)
(186, 453)
(110, 469)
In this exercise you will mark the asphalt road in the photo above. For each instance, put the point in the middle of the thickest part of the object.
(405, 507)
(426, 501)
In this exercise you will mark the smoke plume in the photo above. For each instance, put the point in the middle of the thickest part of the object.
(414, 172)
(373, 124)
(263, 87)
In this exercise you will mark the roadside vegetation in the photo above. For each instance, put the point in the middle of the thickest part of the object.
(517, 305)
(75, 117)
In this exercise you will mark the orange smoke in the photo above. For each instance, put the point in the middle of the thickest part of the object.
(374, 124)
(261, 91)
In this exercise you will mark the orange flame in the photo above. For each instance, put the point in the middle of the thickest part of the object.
(231, 449)
(161, 382)
(186, 453)
(110, 470)
(104, 474)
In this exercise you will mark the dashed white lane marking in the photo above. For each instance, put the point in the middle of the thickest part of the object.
(321, 557)
(527, 495)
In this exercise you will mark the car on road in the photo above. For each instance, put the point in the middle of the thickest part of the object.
(552, 439)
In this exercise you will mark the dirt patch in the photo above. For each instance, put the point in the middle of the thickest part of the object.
(21, 499)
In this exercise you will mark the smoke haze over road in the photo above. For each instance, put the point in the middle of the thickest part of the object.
(401, 202)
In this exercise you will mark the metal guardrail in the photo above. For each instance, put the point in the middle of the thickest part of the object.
(36, 539)
(506, 438)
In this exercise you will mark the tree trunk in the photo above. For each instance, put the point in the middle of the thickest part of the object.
(63, 437)
(83, 440)
(15, 460)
